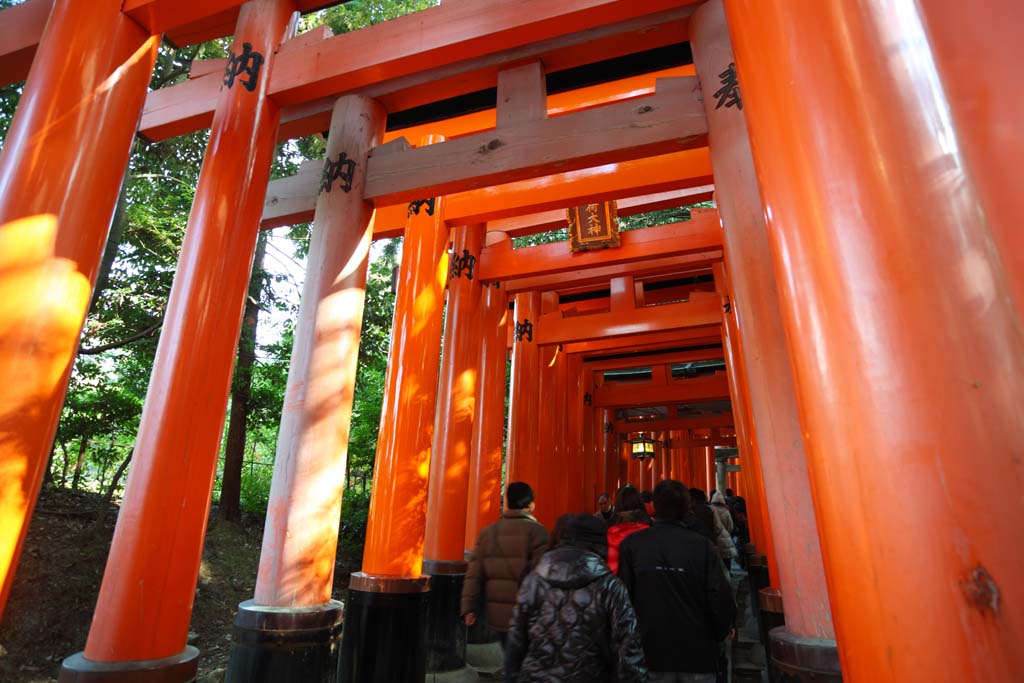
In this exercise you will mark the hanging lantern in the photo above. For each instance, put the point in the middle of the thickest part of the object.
(642, 447)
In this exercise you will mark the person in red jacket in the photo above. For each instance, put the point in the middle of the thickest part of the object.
(630, 517)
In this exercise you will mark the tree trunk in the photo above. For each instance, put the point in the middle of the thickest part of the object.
(234, 450)
(101, 512)
(64, 467)
(83, 446)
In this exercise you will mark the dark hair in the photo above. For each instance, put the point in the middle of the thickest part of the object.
(628, 498)
(697, 496)
(604, 495)
(559, 529)
(728, 492)
(582, 531)
(519, 495)
(671, 500)
(646, 497)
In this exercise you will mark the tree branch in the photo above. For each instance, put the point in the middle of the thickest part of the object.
(124, 342)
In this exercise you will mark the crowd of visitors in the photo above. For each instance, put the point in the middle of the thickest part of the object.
(637, 591)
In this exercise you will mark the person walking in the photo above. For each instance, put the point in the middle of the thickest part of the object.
(504, 554)
(630, 516)
(678, 586)
(573, 621)
(605, 511)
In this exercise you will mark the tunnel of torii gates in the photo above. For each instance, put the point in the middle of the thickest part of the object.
(848, 317)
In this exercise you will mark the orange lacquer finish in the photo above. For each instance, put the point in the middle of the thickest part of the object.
(396, 524)
(457, 401)
(145, 600)
(300, 535)
(484, 503)
(63, 160)
(760, 348)
(907, 348)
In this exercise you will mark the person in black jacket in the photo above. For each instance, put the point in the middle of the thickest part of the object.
(573, 621)
(678, 586)
(701, 518)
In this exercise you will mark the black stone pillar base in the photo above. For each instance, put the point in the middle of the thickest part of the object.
(446, 632)
(385, 634)
(802, 660)
(179, 668)
(285, 644)
(757, 576)
(770, 617)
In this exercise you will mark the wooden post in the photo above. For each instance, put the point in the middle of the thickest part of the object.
(521, 457)
(450, 461)
(387, 600)
(296, 572)
(62, 163)
(484, 502)
(869, 310)
(145, 600)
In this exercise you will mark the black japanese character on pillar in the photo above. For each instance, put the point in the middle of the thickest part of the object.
(247, 63)
(343, 169)
(464, 263)
(524, 329)
(609, 428)
(587, 400)
(414, 207)
(729, 94)
(727, 306)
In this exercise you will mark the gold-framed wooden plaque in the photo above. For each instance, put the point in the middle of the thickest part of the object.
(593, 226)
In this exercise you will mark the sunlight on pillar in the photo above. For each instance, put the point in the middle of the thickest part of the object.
(42, 304)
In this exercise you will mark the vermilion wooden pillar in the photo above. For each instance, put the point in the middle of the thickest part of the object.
(709, 470)
(523, 414)
(593, 463)
(976, 54)
(484, 504)
(450, 460)
(900, 320)
(548, 456)
(634, 466)
(63, 160)
(296, 572)
(610, 451)
(168, 490)
(758, 518)
(757, 324)
(580, 468)
(387, 599)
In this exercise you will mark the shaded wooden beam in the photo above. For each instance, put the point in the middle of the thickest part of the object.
(700, 311)
(21, 27)
(647, 360)
(292, 200)
(555, 219)
(502, 262)
(671, 120)
(635, 394)
(159, 16)
(668, 424)
(360, 65)
(695, 336)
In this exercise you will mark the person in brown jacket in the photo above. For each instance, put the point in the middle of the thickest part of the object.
(505, 553)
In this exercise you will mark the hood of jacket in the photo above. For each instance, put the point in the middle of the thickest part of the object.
(569, 567)
(718, 498)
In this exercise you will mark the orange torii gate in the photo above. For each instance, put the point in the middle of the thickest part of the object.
(819, 356)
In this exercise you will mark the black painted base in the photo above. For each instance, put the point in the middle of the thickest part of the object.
(179, 668)
(757, 575)
(385, 634)
(446, 631)
(803, 660)
(285, 644)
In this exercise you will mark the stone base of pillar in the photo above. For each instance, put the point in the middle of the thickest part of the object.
(446, 631)
(179, 668)
(285, 644)
(802, 660)
(757, 575)
(770, 617)
(485, 657)
(385, 635)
